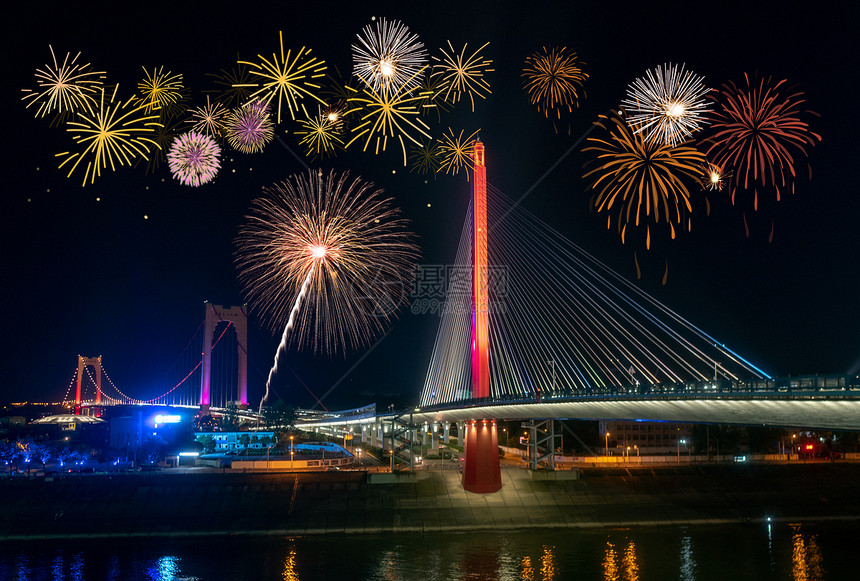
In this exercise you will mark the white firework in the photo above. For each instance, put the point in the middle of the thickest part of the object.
(666, 104)
(388, 57)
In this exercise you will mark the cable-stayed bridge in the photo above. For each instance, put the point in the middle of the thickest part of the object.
(533, 327)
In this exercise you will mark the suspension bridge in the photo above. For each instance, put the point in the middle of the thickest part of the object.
(211, 373)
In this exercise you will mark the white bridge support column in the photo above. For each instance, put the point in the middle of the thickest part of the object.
(446, 432)
(461, 434)
(434, 440)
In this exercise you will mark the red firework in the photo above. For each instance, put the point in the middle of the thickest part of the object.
(757, 132)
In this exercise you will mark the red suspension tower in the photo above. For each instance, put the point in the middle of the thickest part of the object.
(83, 363)
(482, 471)
(239, 319)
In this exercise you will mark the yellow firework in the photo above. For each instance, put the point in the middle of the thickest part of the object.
(209, 120)
(426, 158)
(456, 152)
(462, 75)
(384, 116)
(320, 133)
(63, 88)
(554, 80)
(113, 133)
(286, 78)
(640, 181)
(159, 90)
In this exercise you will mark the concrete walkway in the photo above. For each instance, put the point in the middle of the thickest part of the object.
(205, 504)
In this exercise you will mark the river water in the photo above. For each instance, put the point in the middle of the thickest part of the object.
(807, 552)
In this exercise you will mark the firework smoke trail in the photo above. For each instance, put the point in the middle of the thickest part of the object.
(282, 346)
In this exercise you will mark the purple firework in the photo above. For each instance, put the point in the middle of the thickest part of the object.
(193, 158)
(250, 128)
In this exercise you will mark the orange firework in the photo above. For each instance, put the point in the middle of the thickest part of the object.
(640, 182)
(554, 80)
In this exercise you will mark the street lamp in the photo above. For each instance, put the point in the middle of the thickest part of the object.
(268, 448)
(291, 452)
(607, 443)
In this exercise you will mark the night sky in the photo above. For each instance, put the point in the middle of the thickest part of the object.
(91, 277)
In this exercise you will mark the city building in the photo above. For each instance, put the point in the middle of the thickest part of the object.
(643, 437)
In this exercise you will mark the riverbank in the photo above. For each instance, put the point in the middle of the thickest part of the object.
(293, 504)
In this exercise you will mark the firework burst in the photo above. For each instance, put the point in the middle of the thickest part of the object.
(337, 238)
(757, 130)
(249, 129)
(639, 181)
(209, 119)
(426, 158)
(456, 152)
(160, 90)
(554, 80)
(194, 158)
(461, 75)
(113, 133)
(320, 134)
(234, 86)
(63, 88)
(713, 177)
(286, 78)
(384, 116)
(666, 104)
(388, 57)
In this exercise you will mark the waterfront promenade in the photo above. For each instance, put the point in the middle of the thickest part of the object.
(293, 504)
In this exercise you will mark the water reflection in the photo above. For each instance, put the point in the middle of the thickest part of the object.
(290, 569)
(625, 568)
(769, 552)
(76, 569)
(688, 563)
(547, 567)
(806, 562)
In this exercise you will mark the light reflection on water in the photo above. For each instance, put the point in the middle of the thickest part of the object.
(806, 562)
(768, 552)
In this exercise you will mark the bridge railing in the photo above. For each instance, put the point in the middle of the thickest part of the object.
(364, 412)
(831, 386)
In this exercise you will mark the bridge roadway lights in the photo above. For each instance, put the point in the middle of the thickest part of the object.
(482, 472)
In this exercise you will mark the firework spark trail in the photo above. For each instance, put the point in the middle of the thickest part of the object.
(282, 346)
